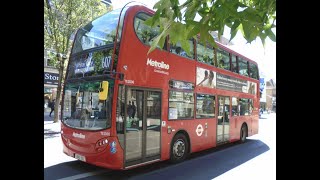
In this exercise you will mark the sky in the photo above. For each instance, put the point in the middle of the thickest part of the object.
(264, 56)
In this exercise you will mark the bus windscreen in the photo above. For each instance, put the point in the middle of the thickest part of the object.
(99, 32)
(82, 107)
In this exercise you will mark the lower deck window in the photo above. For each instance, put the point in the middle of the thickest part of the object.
(181, 105)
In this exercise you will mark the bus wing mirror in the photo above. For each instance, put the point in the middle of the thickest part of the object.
(103, 91)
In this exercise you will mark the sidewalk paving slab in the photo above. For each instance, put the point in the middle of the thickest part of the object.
(49, 126)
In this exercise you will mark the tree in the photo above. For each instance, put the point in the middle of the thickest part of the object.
(254, 18)
(61, 20)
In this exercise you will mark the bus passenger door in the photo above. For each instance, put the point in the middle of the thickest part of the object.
(143, 125)
(223, 119)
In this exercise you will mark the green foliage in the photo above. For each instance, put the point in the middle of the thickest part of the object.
(61, 19)
(254, 18)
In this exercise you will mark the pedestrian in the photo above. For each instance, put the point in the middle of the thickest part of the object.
(129, 109)
(133, 107)
(51, 105)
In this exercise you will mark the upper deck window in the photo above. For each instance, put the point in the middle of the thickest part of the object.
(223, 59)
(177, 49)
(234, 64)
(145, 33)
(205, 54)
(99, 32)
(253, 71)
(243, 67)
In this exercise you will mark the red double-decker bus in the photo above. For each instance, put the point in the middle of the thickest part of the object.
(123, 108)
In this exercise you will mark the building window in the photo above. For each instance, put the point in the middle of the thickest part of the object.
(181, 105)
(50, 62)
(205, 106)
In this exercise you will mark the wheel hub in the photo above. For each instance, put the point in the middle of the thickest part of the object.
(178, 148)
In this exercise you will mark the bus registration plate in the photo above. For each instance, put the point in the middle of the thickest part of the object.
(81, 158)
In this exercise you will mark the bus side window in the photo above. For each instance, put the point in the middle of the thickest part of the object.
(145, 33)
(243, 67)
(234, 63)
(253, 71)
(177, 49)
(205, 54)
(235, 107)
(223, 59)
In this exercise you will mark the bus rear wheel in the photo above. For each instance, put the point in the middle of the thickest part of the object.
(243, 134)
(179, 148)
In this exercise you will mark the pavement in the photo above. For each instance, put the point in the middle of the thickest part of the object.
(49, 126)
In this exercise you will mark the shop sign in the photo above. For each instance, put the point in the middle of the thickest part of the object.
(51, 78)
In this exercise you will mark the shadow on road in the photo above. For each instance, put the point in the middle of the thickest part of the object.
(204, 165)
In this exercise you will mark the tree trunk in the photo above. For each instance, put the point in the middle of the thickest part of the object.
(57, 102)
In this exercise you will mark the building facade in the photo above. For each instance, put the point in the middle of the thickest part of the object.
(51, 77)
(271, 95)
(263, 94)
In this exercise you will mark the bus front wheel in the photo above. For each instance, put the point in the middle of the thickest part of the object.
(179, 148)
(243, 134)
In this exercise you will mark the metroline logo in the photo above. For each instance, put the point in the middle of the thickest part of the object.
(157, 64)
(82, 136)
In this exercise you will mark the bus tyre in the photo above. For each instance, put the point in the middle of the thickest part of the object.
(243, 134)
(179, 148)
